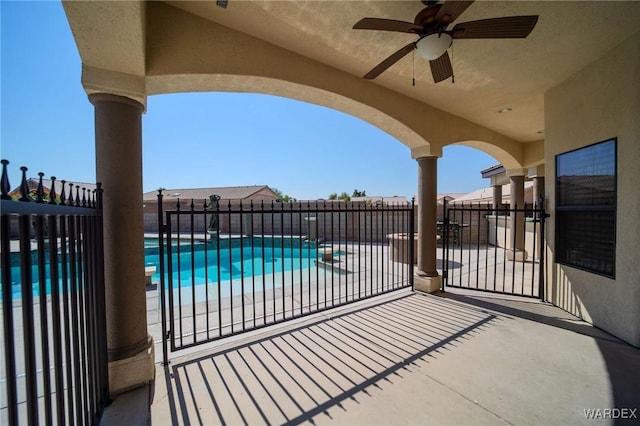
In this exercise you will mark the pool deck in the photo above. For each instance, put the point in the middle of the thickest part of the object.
(288, 293)
(403, 358)
(460, 357)
(331, 283)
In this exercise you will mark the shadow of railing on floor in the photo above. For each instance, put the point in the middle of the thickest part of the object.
(622, 360)
(298, 374)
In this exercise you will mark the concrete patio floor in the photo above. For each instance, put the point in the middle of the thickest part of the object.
(403, 358)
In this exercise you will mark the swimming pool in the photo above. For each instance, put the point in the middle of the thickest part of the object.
(201, 266)
(215, 261)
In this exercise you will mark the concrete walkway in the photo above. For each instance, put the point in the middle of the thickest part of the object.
(404, 358)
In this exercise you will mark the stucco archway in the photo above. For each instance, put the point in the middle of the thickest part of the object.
(502, 155)
(176, 51)
(254, 84)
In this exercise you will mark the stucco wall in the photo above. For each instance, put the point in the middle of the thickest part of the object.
(347, 221)
(601, 101)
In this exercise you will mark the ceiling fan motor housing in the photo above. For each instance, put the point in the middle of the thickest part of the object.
(427, 16)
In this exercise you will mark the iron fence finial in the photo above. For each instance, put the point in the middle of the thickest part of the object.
(52, 191)
(63, 194)
(40, 189)
(5, 188)
(24, 186)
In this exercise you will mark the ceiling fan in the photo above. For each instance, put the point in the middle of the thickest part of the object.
(431, 23)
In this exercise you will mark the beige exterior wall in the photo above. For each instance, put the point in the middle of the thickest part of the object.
(341, 224)
(601, 101)
(501, 237)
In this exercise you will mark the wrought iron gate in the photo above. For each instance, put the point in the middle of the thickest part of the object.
(227, 269)
(482, 250)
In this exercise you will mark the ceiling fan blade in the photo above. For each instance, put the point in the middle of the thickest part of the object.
(450, 11)
(395, 57)
(387, 25)
(441, 68)
(508, 27)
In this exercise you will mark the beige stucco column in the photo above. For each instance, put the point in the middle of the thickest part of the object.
(538, 193)
(538, 189)
(517, 224)
(497, 198)
(118, 129)
(426, 277)
(538, 182)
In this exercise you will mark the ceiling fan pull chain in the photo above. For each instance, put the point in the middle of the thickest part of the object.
(453, 76)
(413, 67)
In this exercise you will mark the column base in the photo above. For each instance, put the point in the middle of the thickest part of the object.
(427, 284)
(130, 373)
(517, 255)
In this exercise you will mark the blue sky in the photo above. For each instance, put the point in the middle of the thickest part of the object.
(196, 139)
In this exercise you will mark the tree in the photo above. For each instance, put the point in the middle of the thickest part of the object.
(282, 196)
(357, 193)
(342, 197)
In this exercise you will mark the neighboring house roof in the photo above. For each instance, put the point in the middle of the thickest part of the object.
(46, 186)
(493, 170)
(485, 195)
(449, 197)
(225, 193)
(441, 197)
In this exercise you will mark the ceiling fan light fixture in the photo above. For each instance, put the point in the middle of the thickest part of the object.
(433, 46)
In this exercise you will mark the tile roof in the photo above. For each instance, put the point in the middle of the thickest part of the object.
(46, 183)
(225, 193)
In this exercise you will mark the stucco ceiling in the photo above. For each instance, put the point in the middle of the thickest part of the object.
(489, 74)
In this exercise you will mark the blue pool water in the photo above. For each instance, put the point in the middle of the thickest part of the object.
(200, 267)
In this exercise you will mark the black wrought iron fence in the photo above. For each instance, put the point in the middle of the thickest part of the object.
(54, 367)
(496, 250)
(259, 264)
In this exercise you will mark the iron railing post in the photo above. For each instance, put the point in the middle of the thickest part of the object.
(445, 244)
(163, 304)
(28, 326)
(541, 274)
(101, 304)
(411, 242)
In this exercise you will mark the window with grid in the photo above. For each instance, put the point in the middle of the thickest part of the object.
(586, 208)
